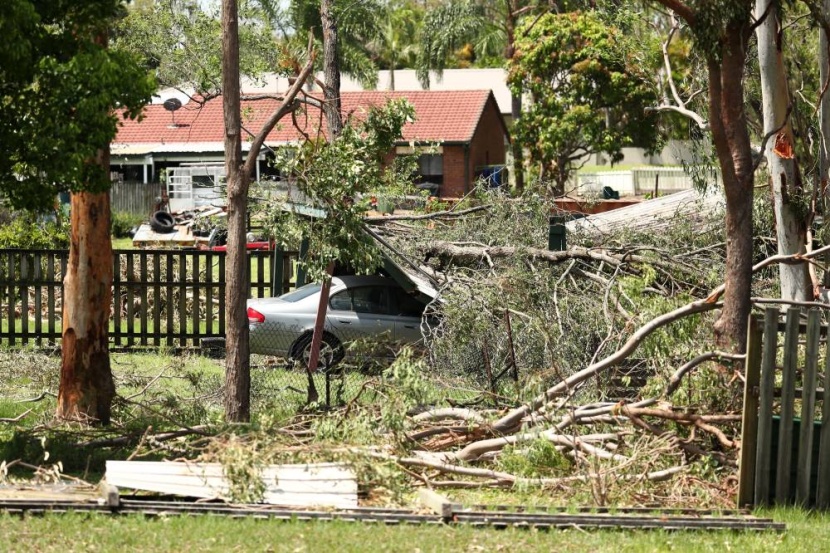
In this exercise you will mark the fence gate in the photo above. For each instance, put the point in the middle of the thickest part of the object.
(785, 453)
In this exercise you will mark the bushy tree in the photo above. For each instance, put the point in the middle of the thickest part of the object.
(59, 87)
(61, 94)
(181, 42)
(588, 95)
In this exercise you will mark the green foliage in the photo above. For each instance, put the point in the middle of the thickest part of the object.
(26, 231)
(538, 458)
(447, 28)
(395, 44)
(123, 223)
(60, 88)
(181, 43)
(358, 26)
(407, 374)
(716, 18)
(589, 92)
(243, 470)
(336, 177)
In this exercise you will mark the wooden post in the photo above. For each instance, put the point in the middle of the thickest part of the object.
(301, 272)
(767, 387)
(437, 503)
(823, 491)
(277, 272)
(749, 428)
(785, 429)
(808, 405)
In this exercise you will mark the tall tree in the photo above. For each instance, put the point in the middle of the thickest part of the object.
(358, 24)
(331, 67)
(237, 360)
(785, 177)
(179, 41)
(238, 171)
(61, 93)
(395, 45)
(721, 30)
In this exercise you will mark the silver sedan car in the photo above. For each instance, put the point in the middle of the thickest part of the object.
(359, 307)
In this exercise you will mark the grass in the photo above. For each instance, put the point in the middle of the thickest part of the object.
(80, 532)
(169, 383)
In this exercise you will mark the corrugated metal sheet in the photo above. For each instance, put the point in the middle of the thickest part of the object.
(318, 484)
(651, 214)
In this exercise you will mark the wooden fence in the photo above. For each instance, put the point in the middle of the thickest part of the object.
(137, 198)
(786, 459)
(160, 297)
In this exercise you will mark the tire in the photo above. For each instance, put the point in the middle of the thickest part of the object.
(331, 351)
(162, 222)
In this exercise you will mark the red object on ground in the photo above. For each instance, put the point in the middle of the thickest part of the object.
(250, 246)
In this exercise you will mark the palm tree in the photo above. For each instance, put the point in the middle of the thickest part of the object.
(358, 24)
(395, 46)
(489, 27)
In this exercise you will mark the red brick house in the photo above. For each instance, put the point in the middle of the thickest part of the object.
(466, 128)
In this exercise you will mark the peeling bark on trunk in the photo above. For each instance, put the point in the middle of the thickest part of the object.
(791, 228)
(237, 360)
(86, 386)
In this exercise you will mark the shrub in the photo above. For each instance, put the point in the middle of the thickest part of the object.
(123, 223)
(31, 232)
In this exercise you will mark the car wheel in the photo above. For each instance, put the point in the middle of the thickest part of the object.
(162, 222)
(331, 351)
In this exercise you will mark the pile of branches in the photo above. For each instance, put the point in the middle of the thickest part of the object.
(577, 316)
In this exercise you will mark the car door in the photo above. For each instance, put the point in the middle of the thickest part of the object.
(408, 312)
(361, 312)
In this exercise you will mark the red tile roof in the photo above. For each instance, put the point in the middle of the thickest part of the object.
(441, 116)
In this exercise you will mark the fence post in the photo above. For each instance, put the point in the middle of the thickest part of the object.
(783, 476)
(301, 272)
(823, 491)
(749, 428)
(808, 405)
(276, 272)
(767, 388)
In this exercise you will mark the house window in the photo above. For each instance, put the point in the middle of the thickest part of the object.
(431, 168)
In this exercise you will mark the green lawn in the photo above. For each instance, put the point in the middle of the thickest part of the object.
(80, 532)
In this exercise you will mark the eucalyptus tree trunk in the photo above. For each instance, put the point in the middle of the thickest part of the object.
(824, 107)
(86, 386)
(237, 360)
(824, 127)
(725, 64)
(785, 179)
(331, 70)
(730, 134)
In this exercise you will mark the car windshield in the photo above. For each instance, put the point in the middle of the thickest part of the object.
(301, 293)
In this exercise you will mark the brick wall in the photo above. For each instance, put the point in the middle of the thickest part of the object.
(461, 160)
(486, 148)
(455, 172)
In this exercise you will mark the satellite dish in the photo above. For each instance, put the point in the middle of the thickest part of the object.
(171, 105)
